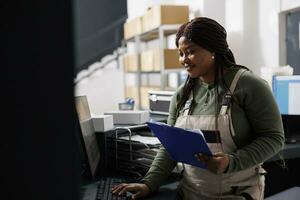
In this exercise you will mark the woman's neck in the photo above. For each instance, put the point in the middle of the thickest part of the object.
(209, 77)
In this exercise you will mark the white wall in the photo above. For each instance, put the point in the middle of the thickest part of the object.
(104, 88)
(289, 4)
(252, 27)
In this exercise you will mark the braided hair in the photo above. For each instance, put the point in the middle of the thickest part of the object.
(211, 36)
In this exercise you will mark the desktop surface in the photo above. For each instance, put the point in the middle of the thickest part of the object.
(290, 152)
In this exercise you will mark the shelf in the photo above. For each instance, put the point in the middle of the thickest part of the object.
(174, 70)
(170, 89)
(162, 57)
(131, 72)
(149, 72)
(167, 29)
(154, 33)
(132, 39)
(165, 71)
(156, 72)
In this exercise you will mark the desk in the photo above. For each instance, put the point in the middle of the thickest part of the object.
(167, 191)
(290, 151)
(277, 178)
(290, 194)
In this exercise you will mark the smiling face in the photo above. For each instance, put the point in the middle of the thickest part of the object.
(198, 61)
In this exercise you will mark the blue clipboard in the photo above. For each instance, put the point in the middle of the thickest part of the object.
(181, 144)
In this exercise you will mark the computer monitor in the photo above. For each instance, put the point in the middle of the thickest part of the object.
(291, 127)
(286, 90)
(87, 135)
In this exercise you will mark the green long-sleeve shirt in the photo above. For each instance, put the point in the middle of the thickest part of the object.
(256, 120)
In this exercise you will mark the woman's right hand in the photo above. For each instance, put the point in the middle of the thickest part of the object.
(137, 189)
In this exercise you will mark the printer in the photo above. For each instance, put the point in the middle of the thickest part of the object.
(159, 101)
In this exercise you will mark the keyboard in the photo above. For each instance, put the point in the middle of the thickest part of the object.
(101, 190)
(104, 189)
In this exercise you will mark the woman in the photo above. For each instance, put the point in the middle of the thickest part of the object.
(235, 104)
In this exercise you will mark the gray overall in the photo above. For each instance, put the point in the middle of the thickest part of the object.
(201, 184)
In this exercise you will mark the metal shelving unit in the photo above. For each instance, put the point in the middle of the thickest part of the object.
(159, 33)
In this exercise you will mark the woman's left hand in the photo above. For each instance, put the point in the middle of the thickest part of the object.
(217, 163)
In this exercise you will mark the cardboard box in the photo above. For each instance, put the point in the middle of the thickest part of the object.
(145, 96)
(164, 14)
(147, 61)
(150, 60)
(103, 123)
(130, 62)
(129, 116)
(132, 27)
(171, 59)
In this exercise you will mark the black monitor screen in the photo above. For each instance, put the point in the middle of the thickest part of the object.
(291, 126)
(88, 136)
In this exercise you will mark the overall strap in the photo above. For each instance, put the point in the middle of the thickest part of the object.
(187, 105)
(235, 80)
(227, 98)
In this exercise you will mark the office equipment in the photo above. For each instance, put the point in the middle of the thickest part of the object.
(142, 139)
(87, 136)
(286, 90)
(159, 101)
(291, 127)
(129, 116)
(131, 152)
(128, 104)
(181, 144)
(103, 123)
(101, 190)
